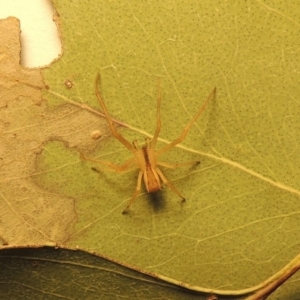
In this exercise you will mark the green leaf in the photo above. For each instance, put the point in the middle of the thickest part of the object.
(240, 223)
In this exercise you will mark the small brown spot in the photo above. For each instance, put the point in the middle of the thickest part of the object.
(68, 84)
(96, 134)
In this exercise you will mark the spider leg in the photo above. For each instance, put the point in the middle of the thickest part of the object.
(171, 186)
(158, 120)
(187, 127)
(123, 168)
(112, 127)
(173, 166)
(136, 192)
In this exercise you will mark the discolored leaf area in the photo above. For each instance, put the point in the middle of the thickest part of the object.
(240, 223)
(28, 213)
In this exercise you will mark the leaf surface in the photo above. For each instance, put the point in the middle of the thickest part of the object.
(240, 222)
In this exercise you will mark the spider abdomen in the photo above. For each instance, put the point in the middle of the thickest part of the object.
(152, 181)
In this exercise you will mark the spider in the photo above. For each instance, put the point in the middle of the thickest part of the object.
(146, 157)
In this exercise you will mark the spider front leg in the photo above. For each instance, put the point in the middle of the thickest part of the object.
(110, 122)
(158, 120)
(188, 126)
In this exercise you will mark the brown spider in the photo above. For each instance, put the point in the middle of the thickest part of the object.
(145, 157)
